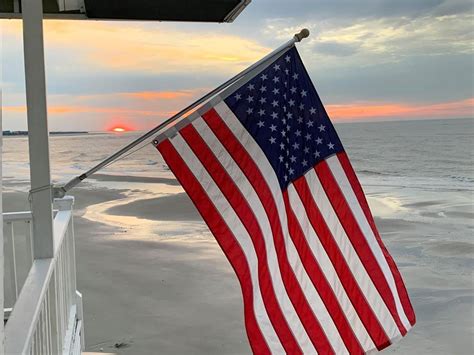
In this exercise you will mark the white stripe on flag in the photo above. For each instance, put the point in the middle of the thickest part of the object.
(328, 269)
(257, 208)
(235, 225)
(346, 189)
(350, 255)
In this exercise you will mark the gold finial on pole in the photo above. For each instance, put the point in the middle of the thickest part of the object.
(302, 34)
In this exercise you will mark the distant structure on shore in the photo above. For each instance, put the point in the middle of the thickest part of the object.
(25, 133)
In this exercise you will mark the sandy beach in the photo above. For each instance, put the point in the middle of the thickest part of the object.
(155, 281)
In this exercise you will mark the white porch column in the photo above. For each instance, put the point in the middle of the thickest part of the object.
(38, 135)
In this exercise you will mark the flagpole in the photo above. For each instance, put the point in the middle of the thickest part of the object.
(60, 191)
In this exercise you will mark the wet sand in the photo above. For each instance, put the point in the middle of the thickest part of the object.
(154, 281)
(178, 207)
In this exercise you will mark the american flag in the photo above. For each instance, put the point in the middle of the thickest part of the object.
(267, 171)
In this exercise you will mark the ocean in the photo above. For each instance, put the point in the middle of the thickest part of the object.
(426, 164)
(429, 154)
(418, 176)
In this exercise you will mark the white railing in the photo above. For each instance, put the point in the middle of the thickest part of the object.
(46, 315)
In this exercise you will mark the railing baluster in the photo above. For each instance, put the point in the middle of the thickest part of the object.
(40, 328)
(43, 329)
(46, 312)
(71, 286)
(73, 258)
(37, 342)
(63, 292)
(32, 346)
(59, 288)
(10, 255)
(45, 325)
(29, 244)
(60, 302)
(40, 338)
(66, 279)
(69, 267)
(53, 303)
(39, 331)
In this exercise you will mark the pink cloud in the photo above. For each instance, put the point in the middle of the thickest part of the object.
(372, 110)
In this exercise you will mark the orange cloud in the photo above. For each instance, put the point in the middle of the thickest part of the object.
(153, 48)
(161, 95)
(139, 110)
(71, 109)
(14, 108)
(354, 111)
(365, 110)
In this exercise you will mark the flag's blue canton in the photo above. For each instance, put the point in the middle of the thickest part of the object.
(282, 111)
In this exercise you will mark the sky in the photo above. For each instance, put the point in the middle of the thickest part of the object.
(369, 60)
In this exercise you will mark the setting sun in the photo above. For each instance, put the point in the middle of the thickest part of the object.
(118, 129)
(118, 126)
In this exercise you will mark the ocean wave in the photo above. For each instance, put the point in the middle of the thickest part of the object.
(77, 166)
(421, 183)
(462, 178)
(373, 173)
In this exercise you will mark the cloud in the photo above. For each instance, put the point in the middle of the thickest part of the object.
(71, 109)
(159, 95)
(363, 111)
(428, 79)
(336, 49)
(343, 10)
(382, 39)
(453, 7)
(418, 60)
(144, 48)
(140, 48)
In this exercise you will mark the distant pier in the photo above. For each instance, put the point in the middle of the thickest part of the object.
(25, 133)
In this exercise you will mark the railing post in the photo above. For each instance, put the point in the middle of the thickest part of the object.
(38, 135)
(55, 295)
(65, 203)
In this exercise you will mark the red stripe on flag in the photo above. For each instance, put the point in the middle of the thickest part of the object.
(357, 188)
(319, 280)
(224, 237)
(363, 309)
(256, 179)
(358, 240)
(244, 211)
